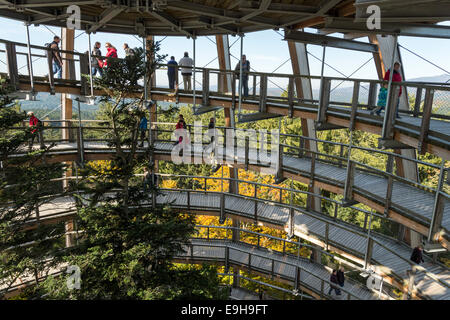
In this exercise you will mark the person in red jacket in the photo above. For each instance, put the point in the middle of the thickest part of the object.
(181, 124)
(396, 77)
(35, 130)
(111, 52)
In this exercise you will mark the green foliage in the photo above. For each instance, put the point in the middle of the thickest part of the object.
(127, 244)
(24, 186)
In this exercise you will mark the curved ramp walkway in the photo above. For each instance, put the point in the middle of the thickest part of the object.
(425, 127)
(385, 255)
(410, 204)
(313, 277)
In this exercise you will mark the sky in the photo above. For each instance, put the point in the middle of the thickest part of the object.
(265, 50)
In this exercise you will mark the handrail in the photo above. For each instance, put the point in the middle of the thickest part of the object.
(279, 75)
(274, 260)
(345, 145)
(350, 229)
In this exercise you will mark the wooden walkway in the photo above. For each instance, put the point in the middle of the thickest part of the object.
(407, 130)
(406, 127)
(389, 256)
(412, 203)
(284, 266)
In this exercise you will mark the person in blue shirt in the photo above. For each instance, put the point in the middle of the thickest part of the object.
(172, 72)
(382, 97)
(143, 129)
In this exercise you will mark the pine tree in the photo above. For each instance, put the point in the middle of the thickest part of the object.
(29, 248)
(128, 242)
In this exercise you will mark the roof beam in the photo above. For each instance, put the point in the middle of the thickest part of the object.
(323, 8)
(106, 16)
(279, 8)
(233, 16)
(165, 17)
(311, 38)
(262, 7)
(401, 29)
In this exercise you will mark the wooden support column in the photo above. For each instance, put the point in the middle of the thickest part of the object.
(405, 168)
(300, 65)
(225, 86)
(11, 59)
(68, 72)
(153, 82)
(69, 226)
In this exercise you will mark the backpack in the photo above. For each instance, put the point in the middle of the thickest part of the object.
(48, 45)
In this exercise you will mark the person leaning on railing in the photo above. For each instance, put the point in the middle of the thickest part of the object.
(186, 71)
(172, 72)
(245, 71)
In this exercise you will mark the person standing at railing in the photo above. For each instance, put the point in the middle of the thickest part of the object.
(142, 129)
(334, 279)
(382, 97)
(172, 72)
(245, 71)
(416, 255)
(111, 52)
(181, 124)
(128, 51)
(36, 130)
(212, 145)
(97, 63)
(396, 77)
(56, 57)
(186, 65)
(150, 179)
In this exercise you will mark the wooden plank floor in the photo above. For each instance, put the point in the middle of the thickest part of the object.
(415, 203)
(239, 253)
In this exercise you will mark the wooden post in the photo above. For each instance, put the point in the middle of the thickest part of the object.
(324, 100)
(369, 250)
(291, 222)
(355, 99)
(246, 161)
(227, 259)
(68, 72)
(205, 94)
(222, 208)
(263, 93)
(417, 102)
(388, 130)
(426, 117)
(372, 98)
(297, 278)
(389, 170)
(438, 208)
(310, 198)
(349, 181)
(84, 70)
(291, 96)
(11, 62)
(233, 92)
(188, 200)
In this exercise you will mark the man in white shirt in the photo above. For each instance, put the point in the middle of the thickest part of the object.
(186, 65)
